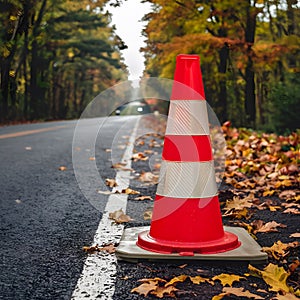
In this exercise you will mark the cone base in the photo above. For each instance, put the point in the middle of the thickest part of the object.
(228, 242)
(248, 252)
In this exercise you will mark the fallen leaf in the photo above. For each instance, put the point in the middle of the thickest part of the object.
(162, 291)
(295, 235)
(129, 191)
(158, 279)
(121, 166)
(279, 250)
(145, 288)
(273, 275)
(149, 177)
(238, 204)
(110, 182)
(259, 226)
(110, 248)
(268, 193)
(286, 296)
(139, 156)
(148, 214)
(294, 265)
(240, 292)
(119, 217)
(62, 168)
(174, 280)
(142, 198)
(92, 158)
(182, 266)
(199, 279)
(227, 279)
(287, 194)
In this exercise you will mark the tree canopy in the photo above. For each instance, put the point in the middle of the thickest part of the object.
(247, 48)
(55, 56)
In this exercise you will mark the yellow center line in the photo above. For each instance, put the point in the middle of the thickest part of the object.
(27, 132)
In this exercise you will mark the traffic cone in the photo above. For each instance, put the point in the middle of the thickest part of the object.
(186, 216)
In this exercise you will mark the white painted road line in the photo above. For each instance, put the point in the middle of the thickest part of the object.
(97, 280)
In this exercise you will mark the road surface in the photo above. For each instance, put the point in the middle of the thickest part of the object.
(46, 218)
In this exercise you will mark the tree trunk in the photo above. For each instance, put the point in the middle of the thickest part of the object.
(5, 66)
(249, 72)
(34, 66)
(222, 68)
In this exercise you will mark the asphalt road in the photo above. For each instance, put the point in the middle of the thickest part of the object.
(47, 215)
(46, 218)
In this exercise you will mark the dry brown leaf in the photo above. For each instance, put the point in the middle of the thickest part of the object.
(295, 235)
(128, 191)
(109, 248)
(121, 166)
(240, 292)
(286, 296)
(162, 291)
(158, 279)
(119, 216)
(62, 168)
(110, 182)
(273, 275)
(294, 265)
(145, 288)
(142, 198)
(238, 204)
(148, 214)
(139, 156)
(199, 279)
(149, 177)
(227, 279)
(92, 158)
(293, 211)
(279, 250)
(287, 194)
(259, 226)
(182, 266)
(240, 214)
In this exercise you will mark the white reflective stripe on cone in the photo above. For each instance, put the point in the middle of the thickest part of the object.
(187, 117)
(187, 179)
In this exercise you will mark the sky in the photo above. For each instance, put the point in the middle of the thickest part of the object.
(127, 19)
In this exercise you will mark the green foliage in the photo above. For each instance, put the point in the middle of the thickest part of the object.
(55, 57)
(284, 105)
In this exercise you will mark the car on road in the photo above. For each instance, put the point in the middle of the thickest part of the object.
(137, 107)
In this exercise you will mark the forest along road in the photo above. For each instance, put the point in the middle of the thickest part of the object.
(46, 215)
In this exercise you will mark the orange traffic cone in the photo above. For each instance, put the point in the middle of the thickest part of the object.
(186, 216)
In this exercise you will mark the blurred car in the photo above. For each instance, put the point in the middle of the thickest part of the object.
(133, 108)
